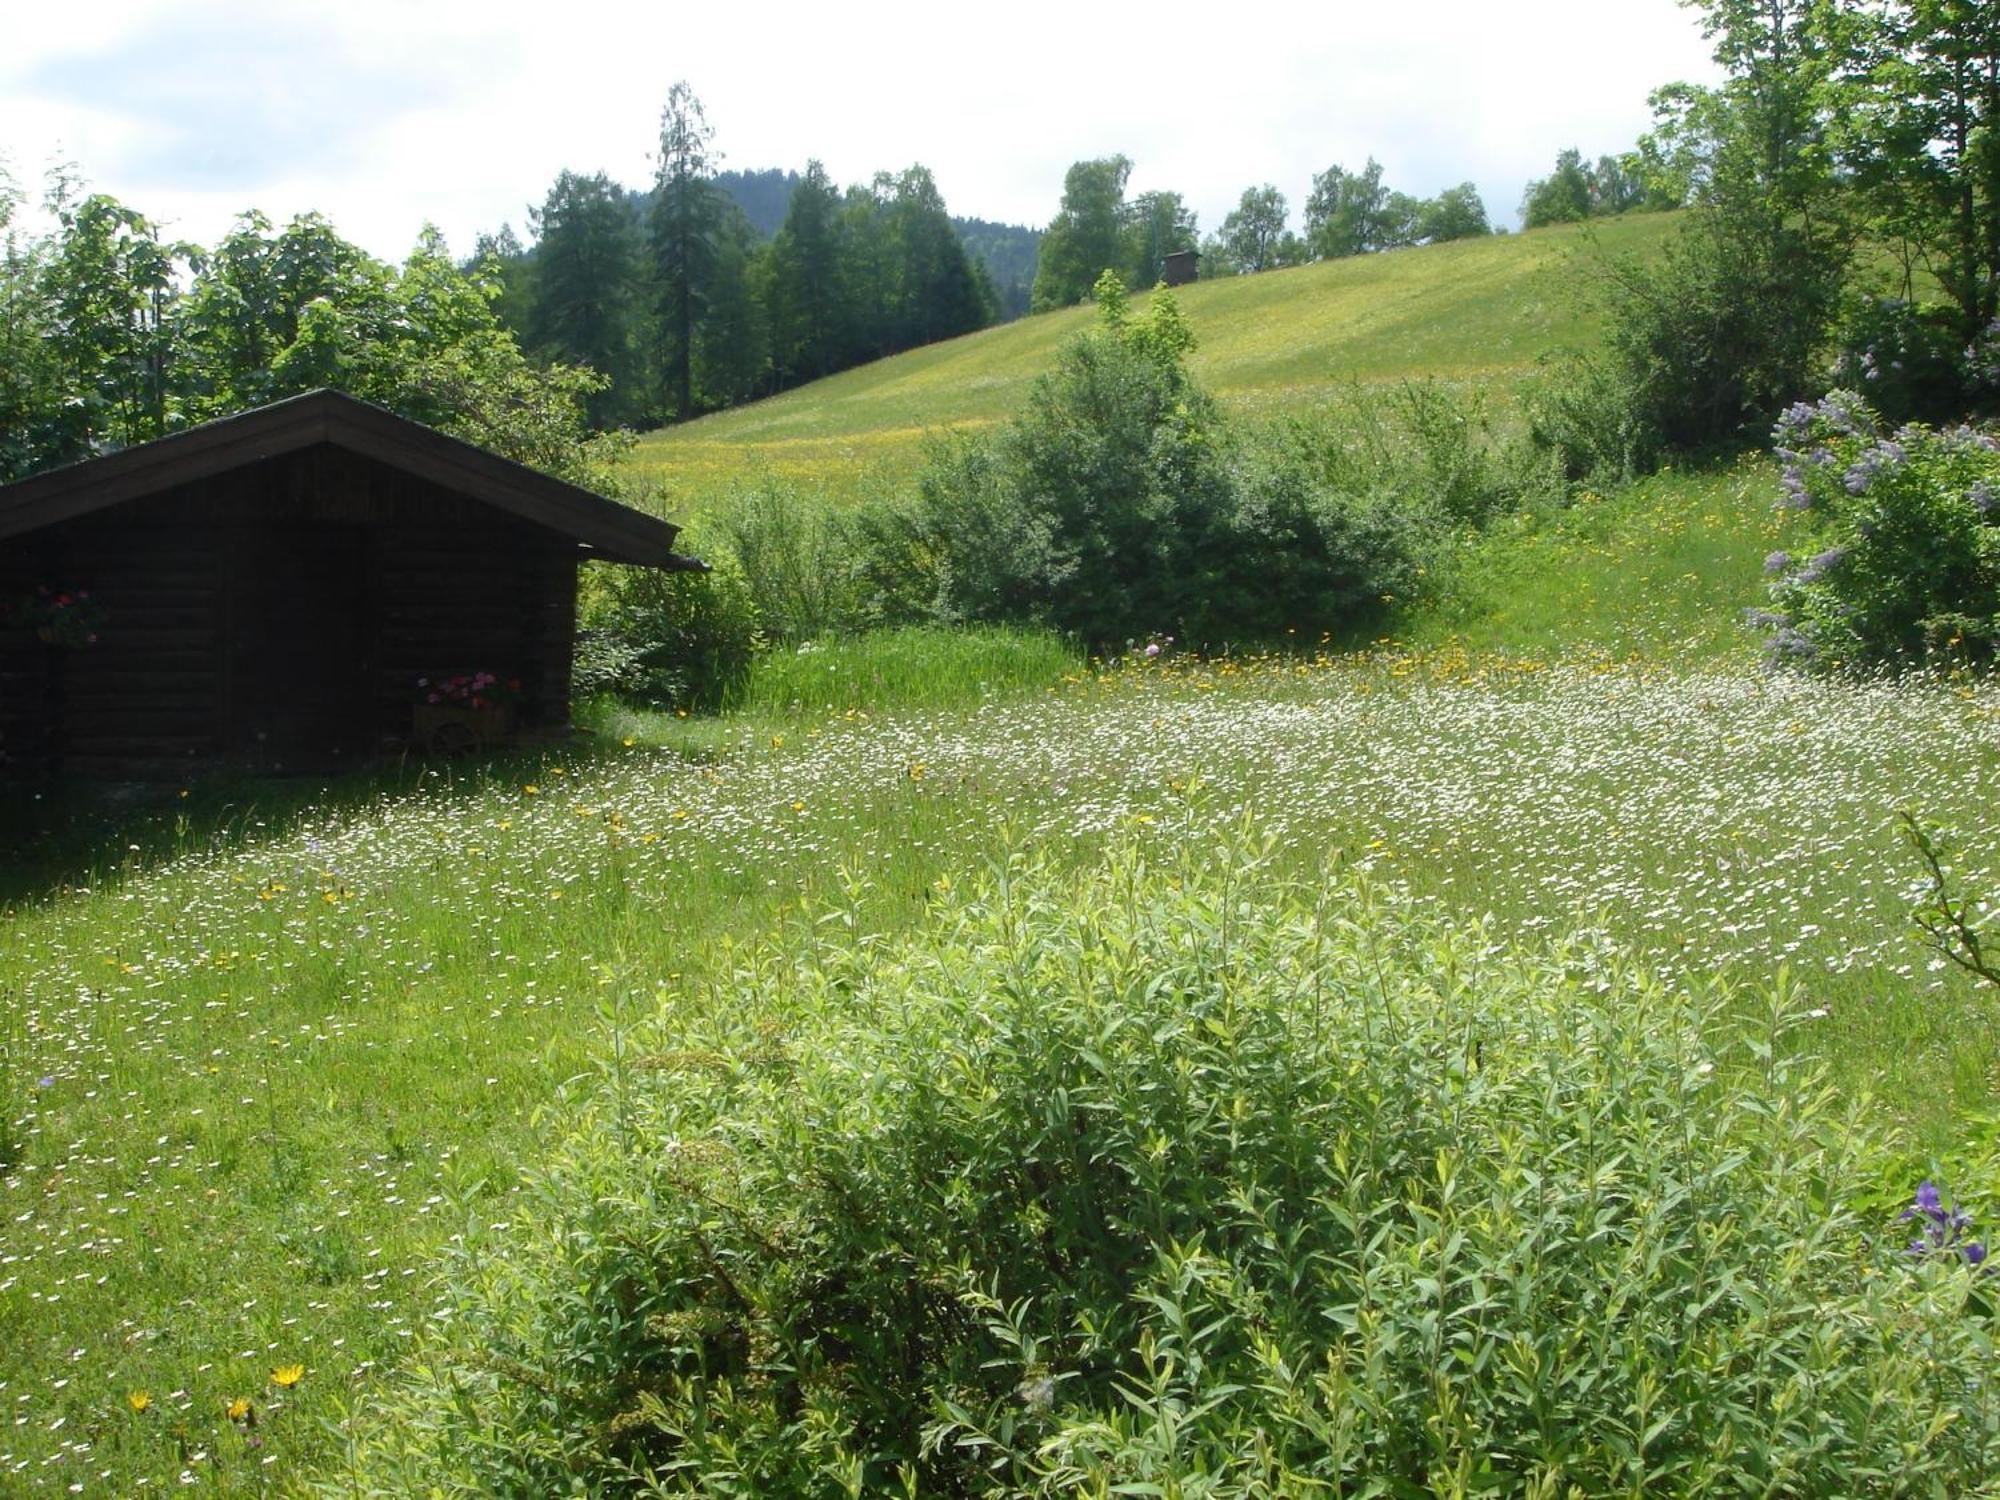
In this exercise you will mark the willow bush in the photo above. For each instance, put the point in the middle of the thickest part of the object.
(1180, 1177)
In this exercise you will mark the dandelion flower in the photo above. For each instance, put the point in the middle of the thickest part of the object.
(139, 1401)
(240, 1410)
(287, 1376)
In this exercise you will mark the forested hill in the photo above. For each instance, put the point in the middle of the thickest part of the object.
(764, 196)
(1008, 251)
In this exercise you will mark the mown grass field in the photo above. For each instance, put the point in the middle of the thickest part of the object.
(1477, 312)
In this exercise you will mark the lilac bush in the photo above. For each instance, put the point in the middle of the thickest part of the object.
(1902, 566)
(1910, 359)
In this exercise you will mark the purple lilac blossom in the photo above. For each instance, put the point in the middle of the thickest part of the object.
(1777, 562)
(1817, 568)
(1795, 422)
(1883, 455)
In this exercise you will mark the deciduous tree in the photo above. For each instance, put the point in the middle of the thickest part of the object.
(1457, 213)
(1255, 227)
(1083, 241)
(1562, 197)
(1347, 211)
(1160, 224)
(1923, 132)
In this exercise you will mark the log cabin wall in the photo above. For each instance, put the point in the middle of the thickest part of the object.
(26, 664)
(278, 616)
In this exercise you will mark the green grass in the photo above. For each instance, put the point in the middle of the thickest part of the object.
(268, 1050)
(283, 1068)
(918, 667)
(1475, 312)
(1660, 571)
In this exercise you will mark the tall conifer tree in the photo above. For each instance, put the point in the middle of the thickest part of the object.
(686, 211)
(586, 270)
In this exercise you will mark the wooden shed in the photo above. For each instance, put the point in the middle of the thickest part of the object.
(267, 591)
(1181, 268)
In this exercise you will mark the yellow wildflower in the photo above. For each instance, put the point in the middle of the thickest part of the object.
(139, 1400)
(287, 1376)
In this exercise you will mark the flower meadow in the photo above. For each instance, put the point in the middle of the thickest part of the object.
(251, 1091)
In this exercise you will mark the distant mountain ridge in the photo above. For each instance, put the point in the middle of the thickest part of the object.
(1008, 251)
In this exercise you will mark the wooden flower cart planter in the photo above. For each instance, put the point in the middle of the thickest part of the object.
(454, 729)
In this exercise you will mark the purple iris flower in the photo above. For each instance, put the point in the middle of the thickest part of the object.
(1943, 1228)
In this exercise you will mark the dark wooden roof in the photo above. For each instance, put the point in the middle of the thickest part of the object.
(600, 527)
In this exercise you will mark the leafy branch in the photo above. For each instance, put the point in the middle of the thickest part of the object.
(1947, 920)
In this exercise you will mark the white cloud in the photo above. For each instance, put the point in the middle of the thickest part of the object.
(384, 113)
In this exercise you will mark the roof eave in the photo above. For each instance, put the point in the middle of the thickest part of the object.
(326, 416)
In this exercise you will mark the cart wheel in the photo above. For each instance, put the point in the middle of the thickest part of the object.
(452, 739)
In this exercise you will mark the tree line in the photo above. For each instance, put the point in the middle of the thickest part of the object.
(112, 333)
(711, 289)
(1844, 180)
(1349, 213)
(1844, 183)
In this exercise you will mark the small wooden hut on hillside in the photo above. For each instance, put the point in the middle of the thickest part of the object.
(266, 591)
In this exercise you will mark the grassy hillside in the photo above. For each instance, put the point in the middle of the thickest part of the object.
(1477, 311)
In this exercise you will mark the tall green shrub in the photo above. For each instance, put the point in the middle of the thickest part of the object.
(1586, 424)
(670, 640)
(1418, 444)
(797, 557)
(1121, 503)
(1180, 1178)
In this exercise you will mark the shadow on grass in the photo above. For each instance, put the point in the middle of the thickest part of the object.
(58, 837)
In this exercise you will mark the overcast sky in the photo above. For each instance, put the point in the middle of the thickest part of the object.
(385, 113)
